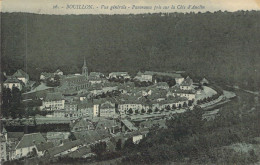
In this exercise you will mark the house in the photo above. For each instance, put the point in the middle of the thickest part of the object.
(204, 81)
(106, 124)
(146, 76)
(43, 147)
(128, 102)
(46, 75)
(137, 136)
(82, 152)
(53, 101)
(150, 76)
(70, 106)
(57, 137)
(107, 109)
(124, 75)
(92, 136)
(58, 72)
(22, 76)
(176, 91)
(28, 144)
(12, 139)
(64, 149)
(81, 125)
(186, 84)
(85, 108)
(150, 123)
(162, 85)
(11, 82)
(108, 106)
(38, 92)
(96, 78)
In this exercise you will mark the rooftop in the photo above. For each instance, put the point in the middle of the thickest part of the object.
(12, 79)
(21, 74)
(55, 96)
(30, 140)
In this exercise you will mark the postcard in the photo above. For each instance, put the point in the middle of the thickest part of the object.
(130, 82)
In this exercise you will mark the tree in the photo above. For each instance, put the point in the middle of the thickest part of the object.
(99, 148)
(150, 111)
(190, 103)
(168, 107)
(174, 107)
(185, 105)
(129, 144)
(6, 98)
(179, 106)
(142, 111)
(136, 111)
(156, 109)
(130, 111)
(16, 108)
(119, 145)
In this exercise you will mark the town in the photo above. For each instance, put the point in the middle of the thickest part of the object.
(83, 115)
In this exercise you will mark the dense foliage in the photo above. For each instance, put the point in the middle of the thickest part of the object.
(190, 139)
(228, 42)
(11, 103)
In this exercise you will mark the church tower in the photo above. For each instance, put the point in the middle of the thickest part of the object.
(85, 69)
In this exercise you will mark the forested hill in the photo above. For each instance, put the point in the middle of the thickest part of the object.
(221, 45)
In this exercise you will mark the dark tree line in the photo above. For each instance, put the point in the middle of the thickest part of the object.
(138, 42)
(11, 103)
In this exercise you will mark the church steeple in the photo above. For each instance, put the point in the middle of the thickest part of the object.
(85, 69)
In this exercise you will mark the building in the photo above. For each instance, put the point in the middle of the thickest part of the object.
(85, 69)
(127, 103)
(46, 75)
(204, 81)
(75, 82)
(71, 106)
(22, 76)
(147, 77)
(81, 125)
(13, 82)
(162, 85)
(107, 109)
(85, 108)
(127, 125)
(96, 78)
(28, 144)
(58, 72)
(177, 92)
(11, 140)
(64, 149)
(150, 76)
(53, 101)
(57, 137)
(43, 147)
(110, 125)
(123, 75)
(186, 84)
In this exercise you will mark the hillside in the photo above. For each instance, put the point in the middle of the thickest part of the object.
(221, 45)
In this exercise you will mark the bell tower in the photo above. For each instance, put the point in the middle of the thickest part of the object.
(85, 69)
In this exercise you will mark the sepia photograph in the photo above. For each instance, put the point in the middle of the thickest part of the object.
(130, 82)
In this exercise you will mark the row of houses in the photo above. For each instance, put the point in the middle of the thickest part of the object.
(17, 145)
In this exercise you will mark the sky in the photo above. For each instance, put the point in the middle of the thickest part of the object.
(60, 7)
